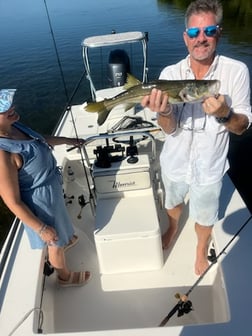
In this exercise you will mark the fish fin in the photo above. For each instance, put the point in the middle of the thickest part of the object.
(128, 106)
(95, 107)
(102, 116)
(100, 108)
(131, 81)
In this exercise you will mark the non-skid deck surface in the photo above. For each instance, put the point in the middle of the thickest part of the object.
(131, 300)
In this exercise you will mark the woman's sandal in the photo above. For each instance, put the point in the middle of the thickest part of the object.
(73, 241)
(76, 279)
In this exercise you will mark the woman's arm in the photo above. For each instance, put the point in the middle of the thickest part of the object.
(56, 140)
(10, 193)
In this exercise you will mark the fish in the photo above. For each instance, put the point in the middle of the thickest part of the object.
(179, 91)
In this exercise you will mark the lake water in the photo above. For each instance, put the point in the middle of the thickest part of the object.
(28, 60)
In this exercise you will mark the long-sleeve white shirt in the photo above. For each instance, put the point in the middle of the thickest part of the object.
(200, 155)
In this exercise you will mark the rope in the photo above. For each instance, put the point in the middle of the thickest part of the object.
(41, 317)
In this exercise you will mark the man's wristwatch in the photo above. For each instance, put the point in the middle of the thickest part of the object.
(223, 120)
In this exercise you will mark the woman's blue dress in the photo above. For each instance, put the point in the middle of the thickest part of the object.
(40, 184)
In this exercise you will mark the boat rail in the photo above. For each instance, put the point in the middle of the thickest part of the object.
(8, 244)
(118, 135)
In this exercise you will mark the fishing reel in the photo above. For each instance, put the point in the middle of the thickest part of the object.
(48, 268)
(184, 306)
(212, 257)
(82, 202)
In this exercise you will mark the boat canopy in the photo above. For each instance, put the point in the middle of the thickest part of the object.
(113, 39)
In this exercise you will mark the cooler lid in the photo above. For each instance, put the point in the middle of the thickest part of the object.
(129, 217)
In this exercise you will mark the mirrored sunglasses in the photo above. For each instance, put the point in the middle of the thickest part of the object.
(209, 31)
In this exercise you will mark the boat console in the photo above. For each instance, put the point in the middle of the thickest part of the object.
(127, 232)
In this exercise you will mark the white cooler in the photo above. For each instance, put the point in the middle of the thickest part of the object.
(127, 234)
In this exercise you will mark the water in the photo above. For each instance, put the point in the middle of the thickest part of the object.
(28, 60)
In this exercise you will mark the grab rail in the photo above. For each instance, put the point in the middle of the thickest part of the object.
(117, 135)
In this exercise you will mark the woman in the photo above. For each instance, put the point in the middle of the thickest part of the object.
(30, 186)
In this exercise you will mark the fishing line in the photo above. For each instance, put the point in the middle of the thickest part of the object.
(182, 303)
(25, 317)
(69, 100)
(56, 50)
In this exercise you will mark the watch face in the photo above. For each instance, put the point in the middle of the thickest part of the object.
(223, 120)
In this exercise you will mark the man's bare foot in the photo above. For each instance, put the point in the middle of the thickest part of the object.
(201, 263)
(168, 237)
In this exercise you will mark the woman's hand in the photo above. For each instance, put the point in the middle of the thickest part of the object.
(74, 142)
(48, 234)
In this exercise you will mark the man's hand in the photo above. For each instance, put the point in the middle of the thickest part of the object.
(216, 106)
(157, 101)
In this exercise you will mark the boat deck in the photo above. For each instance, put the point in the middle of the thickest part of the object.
(130, 303)
(130, 299)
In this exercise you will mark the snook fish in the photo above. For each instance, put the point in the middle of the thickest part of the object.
(179, 91)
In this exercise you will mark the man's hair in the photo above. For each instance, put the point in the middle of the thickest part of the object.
(199, 6)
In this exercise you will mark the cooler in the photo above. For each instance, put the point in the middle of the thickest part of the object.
(127, 234)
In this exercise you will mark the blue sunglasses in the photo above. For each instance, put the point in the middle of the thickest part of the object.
(209, 31)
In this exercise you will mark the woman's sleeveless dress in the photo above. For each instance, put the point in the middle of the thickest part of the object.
(40, 184)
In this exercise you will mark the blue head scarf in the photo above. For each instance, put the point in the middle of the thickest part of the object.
(6, 98)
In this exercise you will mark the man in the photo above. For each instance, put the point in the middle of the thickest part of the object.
(194, 155)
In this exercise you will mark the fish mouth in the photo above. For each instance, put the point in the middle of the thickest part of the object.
(213, 89)
(198, 94)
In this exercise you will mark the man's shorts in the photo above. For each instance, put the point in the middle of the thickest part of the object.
(203, 199)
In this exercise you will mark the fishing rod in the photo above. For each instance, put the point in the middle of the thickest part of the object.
(184, 306)
(68, 104)
(69, 100)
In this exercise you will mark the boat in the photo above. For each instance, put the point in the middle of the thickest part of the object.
(113, 192)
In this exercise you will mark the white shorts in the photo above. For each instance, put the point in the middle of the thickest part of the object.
(204, 199)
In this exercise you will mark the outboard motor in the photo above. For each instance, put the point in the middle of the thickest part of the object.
(118, 67)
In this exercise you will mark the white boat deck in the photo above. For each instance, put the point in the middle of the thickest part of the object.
(130, 303)
(133, 299)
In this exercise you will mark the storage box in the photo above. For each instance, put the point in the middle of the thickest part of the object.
(127, 234)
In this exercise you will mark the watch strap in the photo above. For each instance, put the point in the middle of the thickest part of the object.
(223, 120)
